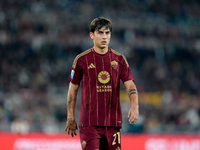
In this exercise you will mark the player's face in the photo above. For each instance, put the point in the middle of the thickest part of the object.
(101, 37)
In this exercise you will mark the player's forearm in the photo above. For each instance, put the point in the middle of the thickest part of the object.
(134, 100)
(71, 101)
(133, 95)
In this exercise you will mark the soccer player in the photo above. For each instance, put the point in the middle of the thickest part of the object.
(100, 69)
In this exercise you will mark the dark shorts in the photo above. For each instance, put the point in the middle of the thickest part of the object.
(100, 138)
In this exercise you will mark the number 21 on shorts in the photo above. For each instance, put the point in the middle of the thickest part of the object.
(116, 138)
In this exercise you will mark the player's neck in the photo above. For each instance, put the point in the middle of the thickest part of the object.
(101, 50)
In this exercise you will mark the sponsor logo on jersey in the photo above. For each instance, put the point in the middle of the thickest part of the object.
(104, 88)
(91, 66)
(104, 77)
(114, 64)
(72, 74)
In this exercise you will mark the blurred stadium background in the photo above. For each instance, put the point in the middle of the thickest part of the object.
(39, 40)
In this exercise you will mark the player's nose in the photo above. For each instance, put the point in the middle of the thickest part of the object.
(104, 35)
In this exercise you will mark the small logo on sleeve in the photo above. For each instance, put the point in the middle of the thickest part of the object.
(72, 74)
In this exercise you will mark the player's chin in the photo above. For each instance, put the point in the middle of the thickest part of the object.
(103, 46)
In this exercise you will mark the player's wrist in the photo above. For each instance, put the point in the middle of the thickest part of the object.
(70, 118)
(135, 106)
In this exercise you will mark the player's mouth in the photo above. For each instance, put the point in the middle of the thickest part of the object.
(104, 42)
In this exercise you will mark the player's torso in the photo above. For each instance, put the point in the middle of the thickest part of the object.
(102, 72)
(100, 89)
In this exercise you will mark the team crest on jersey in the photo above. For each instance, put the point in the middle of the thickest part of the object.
(72, 74)
(104, 77)
(83, 144)
(114, 64)
(118, 148)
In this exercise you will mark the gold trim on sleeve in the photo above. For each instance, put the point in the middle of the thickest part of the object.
(80, 55)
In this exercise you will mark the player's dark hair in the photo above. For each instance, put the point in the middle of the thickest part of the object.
(100, 22)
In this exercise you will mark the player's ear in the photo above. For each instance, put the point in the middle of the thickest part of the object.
(91, 35)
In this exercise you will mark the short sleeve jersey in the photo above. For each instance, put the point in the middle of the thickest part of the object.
(100, 76)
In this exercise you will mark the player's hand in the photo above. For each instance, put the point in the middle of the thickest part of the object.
(133, 115)
(71, 127)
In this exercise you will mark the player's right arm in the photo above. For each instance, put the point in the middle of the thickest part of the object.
(71, 125)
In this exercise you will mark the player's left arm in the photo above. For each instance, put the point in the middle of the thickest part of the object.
(131, 89)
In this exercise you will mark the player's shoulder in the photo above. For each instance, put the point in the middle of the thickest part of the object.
(119, 56)
(115, 52)
(80, 56)
(83, 53)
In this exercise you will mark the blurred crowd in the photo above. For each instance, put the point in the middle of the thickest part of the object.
(39, 40)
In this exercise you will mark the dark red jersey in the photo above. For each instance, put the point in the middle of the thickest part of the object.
(100, 76)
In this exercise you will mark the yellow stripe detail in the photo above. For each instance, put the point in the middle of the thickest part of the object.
(116, 110)
(116, 80)
(97, 92)
(89, 92)
(104, 95)
(111, 85)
